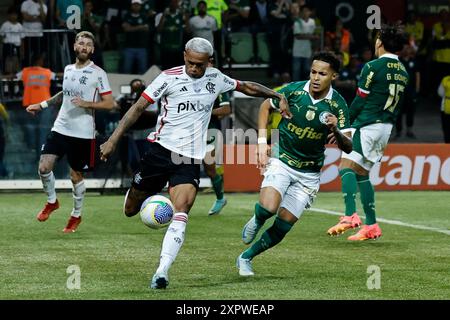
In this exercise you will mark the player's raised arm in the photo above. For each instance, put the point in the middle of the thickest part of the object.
(258, 90)
(125, 123)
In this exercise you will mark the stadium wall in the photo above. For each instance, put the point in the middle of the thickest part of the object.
(403, 167)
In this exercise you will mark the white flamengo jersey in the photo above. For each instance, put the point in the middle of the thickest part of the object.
(186, 105)
(88, 83)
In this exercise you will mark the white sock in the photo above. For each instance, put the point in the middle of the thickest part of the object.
(125, 200)
(173, 240)
(48, 182)
(78, 196)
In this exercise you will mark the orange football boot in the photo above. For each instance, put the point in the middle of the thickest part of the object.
(72, 224)
(366, 232)
(47, 210)
(345, 223)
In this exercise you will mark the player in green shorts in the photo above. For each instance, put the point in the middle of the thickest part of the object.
(292, 175)
(372, 114)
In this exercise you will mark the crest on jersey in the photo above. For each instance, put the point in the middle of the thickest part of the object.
(310, 114)
(211, 87)
(323, 117)
(83, 80)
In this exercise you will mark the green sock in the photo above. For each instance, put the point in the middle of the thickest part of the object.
(269, 238)
(217, 183)
(367, 198)
(262, 214)
(349, 190)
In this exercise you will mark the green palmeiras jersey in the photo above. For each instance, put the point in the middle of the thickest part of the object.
(380, 92)
(302, 138)
(222, 99)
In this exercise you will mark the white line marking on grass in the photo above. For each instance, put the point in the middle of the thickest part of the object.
(398, 223)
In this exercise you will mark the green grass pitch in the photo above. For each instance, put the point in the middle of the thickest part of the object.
(118, 255)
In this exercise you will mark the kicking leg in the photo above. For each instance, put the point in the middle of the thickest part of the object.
(182, 196)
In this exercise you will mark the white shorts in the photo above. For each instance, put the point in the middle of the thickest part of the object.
(297, 189)
(369, 143)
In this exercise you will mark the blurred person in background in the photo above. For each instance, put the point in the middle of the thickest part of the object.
(444, 93)
(408, 108)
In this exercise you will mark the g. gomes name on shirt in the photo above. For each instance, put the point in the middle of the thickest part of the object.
(194, 106)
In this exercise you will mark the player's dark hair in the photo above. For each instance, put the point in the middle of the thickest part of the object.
(37, 57)
(303, 7)
(330, 58)
(12, 10)
(393, 37)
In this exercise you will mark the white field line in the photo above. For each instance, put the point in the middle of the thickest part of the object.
(398, 223)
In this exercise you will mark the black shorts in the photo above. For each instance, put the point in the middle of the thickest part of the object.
(157, 168)
(80, 152)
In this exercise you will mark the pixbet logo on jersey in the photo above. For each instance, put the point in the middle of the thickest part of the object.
(194, 106)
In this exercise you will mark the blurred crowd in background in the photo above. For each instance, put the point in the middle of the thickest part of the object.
(277, 35)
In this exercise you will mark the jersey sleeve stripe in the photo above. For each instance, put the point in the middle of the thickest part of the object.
(147, 97)
(362, 93)
(272, 105)
(238, 84)
(105, 93)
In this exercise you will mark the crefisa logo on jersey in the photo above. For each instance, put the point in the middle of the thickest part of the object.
(194, 106)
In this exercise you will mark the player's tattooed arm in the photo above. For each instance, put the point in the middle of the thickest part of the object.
(129, 118)
(125, 123)
(56, 100)
(258, 90)
(343, 141)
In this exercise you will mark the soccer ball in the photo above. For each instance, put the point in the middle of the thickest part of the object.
(156, 212)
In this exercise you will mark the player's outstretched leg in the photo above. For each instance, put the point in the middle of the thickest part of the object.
(271, 237)
(370, 230)
(349, 189)
(173, 240)
(253, 226)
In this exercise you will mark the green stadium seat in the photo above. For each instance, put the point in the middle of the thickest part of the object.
(111, 60)
(241, 47)
(263, 47)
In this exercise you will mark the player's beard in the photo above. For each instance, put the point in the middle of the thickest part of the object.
(83, 57)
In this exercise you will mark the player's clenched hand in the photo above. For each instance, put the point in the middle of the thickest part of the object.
(284, 108)
(34, 108)
(262, 153)
(106, 150)
(331, 121)
(331, 139)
